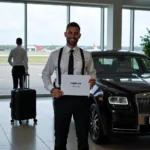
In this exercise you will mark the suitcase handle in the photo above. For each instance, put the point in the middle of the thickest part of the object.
(26, 83)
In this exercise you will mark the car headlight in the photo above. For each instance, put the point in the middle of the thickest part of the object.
(117, 100)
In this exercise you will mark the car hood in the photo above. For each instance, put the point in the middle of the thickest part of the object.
(134, 84)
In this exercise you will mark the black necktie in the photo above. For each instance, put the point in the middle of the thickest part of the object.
(70, 65)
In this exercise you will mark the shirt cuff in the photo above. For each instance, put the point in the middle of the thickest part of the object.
(93, 77)
(49, 87)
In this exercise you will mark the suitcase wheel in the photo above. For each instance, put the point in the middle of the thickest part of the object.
(20, 122)
(35, 120)
(12, 121)
(27, 121)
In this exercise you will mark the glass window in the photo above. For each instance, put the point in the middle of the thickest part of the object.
(89, 19)
(11, 23)
(142, 21)
(117, 64)
(146, 64)
(106, 61)
(125, 29)
(135, 64)
(46, 27)
(11, 27)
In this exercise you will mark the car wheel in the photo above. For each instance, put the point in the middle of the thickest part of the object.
(96, 132)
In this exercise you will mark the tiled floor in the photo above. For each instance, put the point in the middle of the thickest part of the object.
(40, 137)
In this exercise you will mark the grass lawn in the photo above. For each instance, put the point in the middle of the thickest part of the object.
(32, 59)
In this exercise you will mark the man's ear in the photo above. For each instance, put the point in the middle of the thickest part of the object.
(65, 33)
(80, 36)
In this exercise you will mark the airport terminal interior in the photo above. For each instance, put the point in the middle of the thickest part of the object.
(41, 136)
(105, 25)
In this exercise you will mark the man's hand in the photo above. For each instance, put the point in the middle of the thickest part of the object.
(92, 82)
(56, 93)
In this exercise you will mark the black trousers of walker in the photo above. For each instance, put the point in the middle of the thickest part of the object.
(64, 108)
(18, 74)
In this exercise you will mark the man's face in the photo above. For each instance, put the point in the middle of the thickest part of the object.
(72, 35)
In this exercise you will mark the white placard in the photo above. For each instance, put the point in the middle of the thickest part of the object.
(75, 85)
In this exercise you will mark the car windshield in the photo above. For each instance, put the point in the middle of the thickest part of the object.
(110, 66)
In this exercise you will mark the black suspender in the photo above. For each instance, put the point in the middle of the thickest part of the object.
(59, 70)
(83, 61)
(59, 59)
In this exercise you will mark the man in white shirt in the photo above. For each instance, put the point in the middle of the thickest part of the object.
(64, 105)
(18, 59)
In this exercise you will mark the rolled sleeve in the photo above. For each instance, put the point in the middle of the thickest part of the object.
(90, 68)
(10, 58)
(47, 73)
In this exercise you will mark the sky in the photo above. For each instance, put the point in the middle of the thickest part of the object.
(46, 24)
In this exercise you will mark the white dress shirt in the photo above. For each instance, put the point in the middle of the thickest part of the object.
(52, 65)
(18, 57)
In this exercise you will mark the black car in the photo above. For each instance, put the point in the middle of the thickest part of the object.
(120, 100)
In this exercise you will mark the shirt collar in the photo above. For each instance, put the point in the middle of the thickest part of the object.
(18, 45)
(67, 48)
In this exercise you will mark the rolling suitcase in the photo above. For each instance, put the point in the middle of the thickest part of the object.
(23, 103)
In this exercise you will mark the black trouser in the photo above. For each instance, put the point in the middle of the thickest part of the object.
(64, 108)
(18, 73)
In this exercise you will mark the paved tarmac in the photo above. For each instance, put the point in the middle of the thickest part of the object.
(36, 82)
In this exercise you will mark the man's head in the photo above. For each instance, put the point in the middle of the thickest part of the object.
(72, 34)
(19, 41)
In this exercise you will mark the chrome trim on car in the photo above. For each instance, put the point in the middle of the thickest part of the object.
(130, 130)
(143, 106)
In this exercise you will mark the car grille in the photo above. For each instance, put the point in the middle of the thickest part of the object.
(143, 103)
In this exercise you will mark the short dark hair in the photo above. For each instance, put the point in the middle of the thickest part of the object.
(19, 41)
(73, 24)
